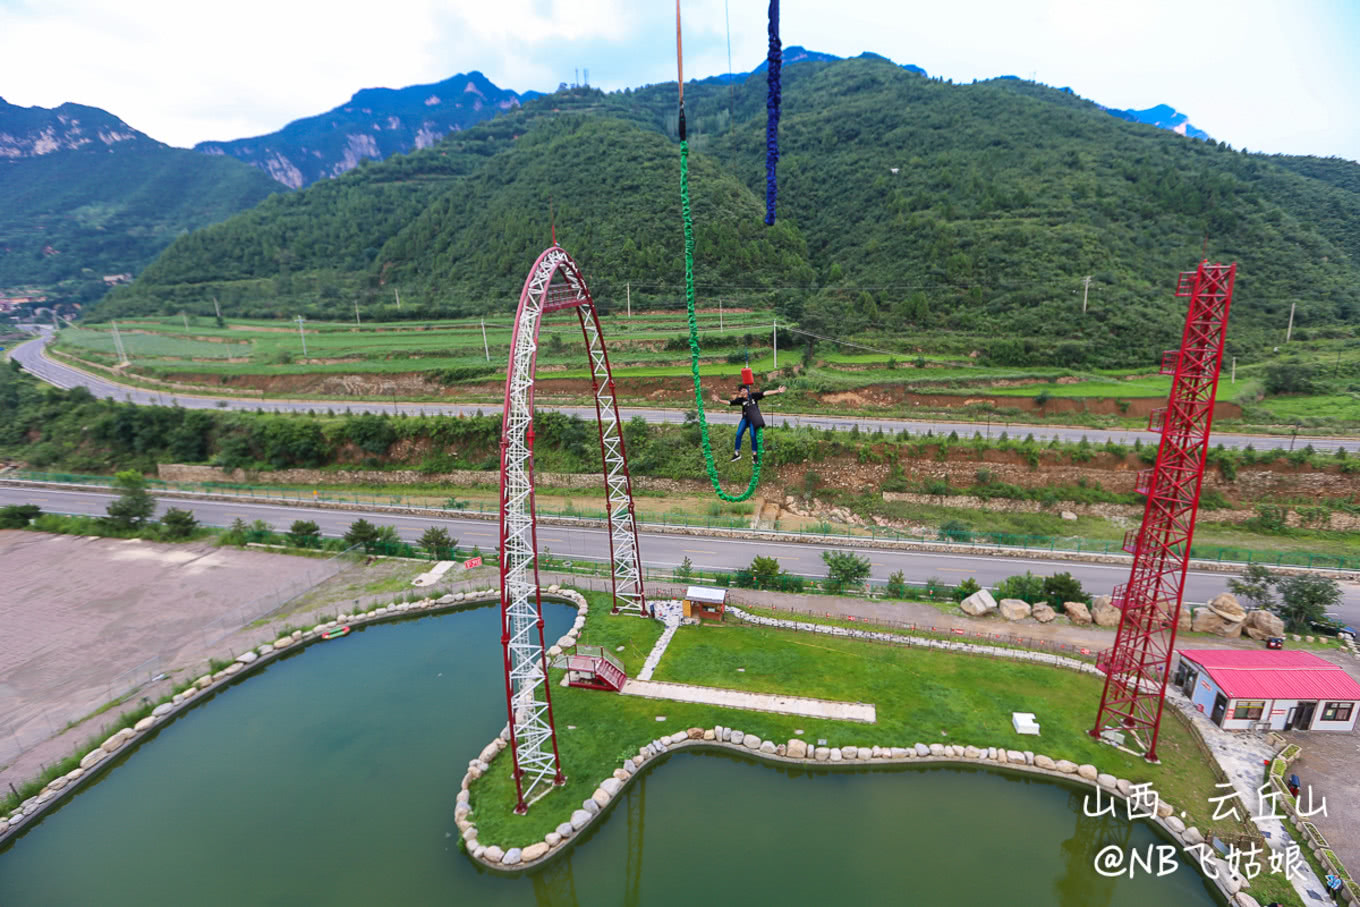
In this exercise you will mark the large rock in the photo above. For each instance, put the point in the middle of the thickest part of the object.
(534, 851)
(797, 749)
(1078, 613)
(1043, 613)
(579, 818)
(1103, 613)
(1014, 609)
(1261, 624)
(979, 604)
(1208, 620)
(493, 854)
(1226, 606)
(1186, 620)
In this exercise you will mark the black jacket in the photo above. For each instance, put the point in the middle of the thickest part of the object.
(750, 411)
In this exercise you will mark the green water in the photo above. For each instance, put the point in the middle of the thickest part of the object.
(330, 779)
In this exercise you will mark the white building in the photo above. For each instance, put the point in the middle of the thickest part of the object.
(1260, 689)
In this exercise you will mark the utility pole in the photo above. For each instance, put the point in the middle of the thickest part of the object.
(485, 349)
(303, 335)
(1289, 332)
(397, 293)
(774, 339)
(720, 324)
(217, 308)
(185, 315)
(628, 292)
(118, 342)
(1234, 370)
(1085, 291)
(356, 312)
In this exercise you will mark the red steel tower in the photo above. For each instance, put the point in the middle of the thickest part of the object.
(1136, 668)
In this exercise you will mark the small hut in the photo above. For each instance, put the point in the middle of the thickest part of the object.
(705, 602)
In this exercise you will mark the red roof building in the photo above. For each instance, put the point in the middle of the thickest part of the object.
(1244, 689)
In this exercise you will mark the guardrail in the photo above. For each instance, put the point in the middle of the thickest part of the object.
(963, 539)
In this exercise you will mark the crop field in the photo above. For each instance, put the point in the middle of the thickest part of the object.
(1313, 385)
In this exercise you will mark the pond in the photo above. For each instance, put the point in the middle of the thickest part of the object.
(329, 778)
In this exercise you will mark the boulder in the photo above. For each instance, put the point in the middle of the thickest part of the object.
(144, 724)
(738, 736)
(1066, 766)
(1106, 780)
(1246, 900)
(493, 854)
(92, 757)
(579, 818)
(937, 749)
(1208, 620)
(1192, 836)
(1175, 824)
(979, 604)
(1088, 771)
(1067, 515)
(246, 657)
(1261, 624)
(751, 742)
(1015, 757)
(797, 749)
(821, 754)
(1226, 606)
(1014, 609)
(1043, 613)
(163, 709)
(1045, 762)
(1078, 613)
(1186, 620)
(836, 755)
(1103, 613)
(611, 786)
(850, 752)
(512, 857)
(535, 851)
(922, 749)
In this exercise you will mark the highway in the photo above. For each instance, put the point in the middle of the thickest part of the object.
(659, 550)
(31, 356)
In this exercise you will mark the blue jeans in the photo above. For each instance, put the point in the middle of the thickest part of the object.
(742, 426)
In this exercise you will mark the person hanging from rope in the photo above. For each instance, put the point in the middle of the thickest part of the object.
(751, 418)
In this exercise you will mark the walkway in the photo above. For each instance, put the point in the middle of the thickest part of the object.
(755, 702)
(1242, 755)
(670, 612)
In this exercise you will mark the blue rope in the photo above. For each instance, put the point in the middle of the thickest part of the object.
(776, 60)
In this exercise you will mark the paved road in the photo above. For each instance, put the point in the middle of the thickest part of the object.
(31, 356)
(658, 549)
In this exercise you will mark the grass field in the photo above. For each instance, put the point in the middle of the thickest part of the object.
(920, 695)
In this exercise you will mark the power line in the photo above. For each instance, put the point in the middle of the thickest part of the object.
(860, 346)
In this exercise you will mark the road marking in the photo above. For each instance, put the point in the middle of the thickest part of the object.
(952, 570)
(697, 551)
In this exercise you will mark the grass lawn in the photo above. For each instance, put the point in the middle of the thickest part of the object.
(925, 696)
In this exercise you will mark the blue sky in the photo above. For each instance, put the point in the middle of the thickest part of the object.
(1270, 76)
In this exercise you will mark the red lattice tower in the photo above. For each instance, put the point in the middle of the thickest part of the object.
(1136, 668)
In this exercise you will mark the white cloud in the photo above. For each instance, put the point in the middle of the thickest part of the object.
(1254, 72)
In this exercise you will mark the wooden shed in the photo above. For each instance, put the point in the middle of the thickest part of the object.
(705, 602)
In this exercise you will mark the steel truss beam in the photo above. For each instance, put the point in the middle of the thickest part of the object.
(555, 283)
(1136, 668)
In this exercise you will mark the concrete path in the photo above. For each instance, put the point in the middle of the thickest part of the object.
(1242, 755)
(670, 612)
(755, 702)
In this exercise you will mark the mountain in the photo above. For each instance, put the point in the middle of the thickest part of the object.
(1163, 117)
(374, 124)
(906, 205)
(86, 200)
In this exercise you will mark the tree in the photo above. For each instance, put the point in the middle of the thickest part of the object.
(436, 540)
(1306, 598)
(387, 540)
(685, 570)
(1255, 586)
(363, 533)
(236, 533)
(1064, 587)
(965, 589)
(178, 524)
(1027, 587)
(845, 570)
(897, 585)
(18, 516)
(135, 505)
(304, 534)
(955, 531)
(765, 572)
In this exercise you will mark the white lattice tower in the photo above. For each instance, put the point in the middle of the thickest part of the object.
(623, 547)
(553, 284)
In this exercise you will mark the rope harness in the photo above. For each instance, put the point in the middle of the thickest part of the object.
(772, 100)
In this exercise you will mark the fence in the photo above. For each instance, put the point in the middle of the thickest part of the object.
(964, 539)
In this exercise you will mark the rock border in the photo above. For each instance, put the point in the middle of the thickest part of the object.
(246, 663)
(798, 752)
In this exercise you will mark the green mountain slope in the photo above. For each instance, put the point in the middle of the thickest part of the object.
(83, 195)
(1005, 195)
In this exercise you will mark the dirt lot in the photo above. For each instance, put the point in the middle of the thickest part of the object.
(86, 619)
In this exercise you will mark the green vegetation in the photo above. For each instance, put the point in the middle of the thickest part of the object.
(920, 695)
(845, 570)
(1303, 599)
(71, 217)
(1007, 193)
(134, 505)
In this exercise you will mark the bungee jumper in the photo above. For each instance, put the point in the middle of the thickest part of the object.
(751, 418)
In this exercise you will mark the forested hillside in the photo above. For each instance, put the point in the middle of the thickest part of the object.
(83, 195)
(1005, 195)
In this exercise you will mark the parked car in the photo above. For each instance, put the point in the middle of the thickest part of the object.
(1330, 626)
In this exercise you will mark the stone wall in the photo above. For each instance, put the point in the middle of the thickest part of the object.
(462, 478)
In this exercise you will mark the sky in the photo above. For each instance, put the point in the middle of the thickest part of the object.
(1269, 76)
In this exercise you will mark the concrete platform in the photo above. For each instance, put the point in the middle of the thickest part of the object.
(756, 702)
